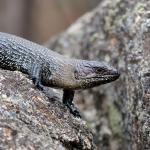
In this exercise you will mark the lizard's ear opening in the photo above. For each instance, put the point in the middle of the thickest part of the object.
(76, 75)
(50, 77)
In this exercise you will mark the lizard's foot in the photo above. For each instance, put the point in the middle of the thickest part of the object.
(37, 83)
(73, 110)
(67, 100)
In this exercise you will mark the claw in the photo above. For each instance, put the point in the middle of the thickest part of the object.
(73, 110)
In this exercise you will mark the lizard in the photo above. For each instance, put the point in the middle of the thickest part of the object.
(48, 68)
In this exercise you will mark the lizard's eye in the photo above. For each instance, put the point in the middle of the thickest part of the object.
(99, 70)
(76, 74)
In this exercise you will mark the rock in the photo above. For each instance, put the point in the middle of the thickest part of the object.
(29, 120)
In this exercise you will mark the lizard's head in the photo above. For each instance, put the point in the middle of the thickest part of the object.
(89, 74)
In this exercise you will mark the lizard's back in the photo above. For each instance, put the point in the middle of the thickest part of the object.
(19, 54)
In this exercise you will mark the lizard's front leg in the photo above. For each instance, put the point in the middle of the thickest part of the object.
(35, 75)
(68, 96)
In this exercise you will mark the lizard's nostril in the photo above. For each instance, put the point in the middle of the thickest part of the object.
(116, 74)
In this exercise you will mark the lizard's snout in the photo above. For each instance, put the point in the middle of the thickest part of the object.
(115, 73)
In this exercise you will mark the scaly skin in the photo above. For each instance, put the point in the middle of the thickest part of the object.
(48, 68)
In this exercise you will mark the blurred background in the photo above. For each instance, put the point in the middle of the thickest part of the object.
(38, 20)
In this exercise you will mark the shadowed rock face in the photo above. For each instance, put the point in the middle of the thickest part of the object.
(30, 120)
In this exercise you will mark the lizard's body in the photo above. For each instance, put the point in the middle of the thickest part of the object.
(49, 68)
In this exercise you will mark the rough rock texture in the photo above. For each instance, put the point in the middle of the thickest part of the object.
(117, 31)
(29, 120)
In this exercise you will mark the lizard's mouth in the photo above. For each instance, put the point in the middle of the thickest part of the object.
(108, 77)
(92, 81)
(101, 78)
